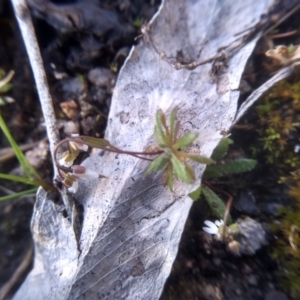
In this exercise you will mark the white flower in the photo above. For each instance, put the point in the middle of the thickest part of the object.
(82, 172)
(78, 145)
(74, 187)
(67, 159)
(212, 228)
(79, 172)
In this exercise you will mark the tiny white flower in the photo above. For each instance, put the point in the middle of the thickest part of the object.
(219, 223)
(66, 160)
(82, 172)
(73, 189)
(78, 145)
(212, 228)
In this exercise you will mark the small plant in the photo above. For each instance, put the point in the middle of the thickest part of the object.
(169, 155)
(221, 168)
(173, 161)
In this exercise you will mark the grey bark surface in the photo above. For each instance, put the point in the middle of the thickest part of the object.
(132, 224)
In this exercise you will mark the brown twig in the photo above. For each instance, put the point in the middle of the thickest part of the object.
(8, 153)
(282, 35)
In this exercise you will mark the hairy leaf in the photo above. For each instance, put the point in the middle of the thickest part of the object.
(173, 124)
(158, 129)
(198, 158)
(221, 149)
(185, 140)
(195, 194)
(231, 167)
(160, 136)
(95, 142)
(159, 163)
(215, 203)
(181, 170)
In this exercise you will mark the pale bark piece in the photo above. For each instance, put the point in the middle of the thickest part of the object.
(280, 75)
(132, 225)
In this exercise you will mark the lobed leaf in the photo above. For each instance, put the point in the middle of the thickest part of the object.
(215, 203)
(185, 140)
(221, 149)
(231, 167)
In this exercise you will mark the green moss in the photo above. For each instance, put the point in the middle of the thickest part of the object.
(278, 121)
(278, 116)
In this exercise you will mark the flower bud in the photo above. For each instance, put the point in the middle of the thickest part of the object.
(78, 169)
(234, 247)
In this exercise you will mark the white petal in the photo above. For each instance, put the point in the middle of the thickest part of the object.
(79, 146)
(83, 147)
(89, 174)
(212, 227)
(209, 223)
(65, 163)
(73, 189)
(209, 230)
(219, 223)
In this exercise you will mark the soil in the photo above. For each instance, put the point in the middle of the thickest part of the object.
(82, 69)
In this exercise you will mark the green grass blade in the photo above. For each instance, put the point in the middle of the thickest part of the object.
(18, 195)
(20, 179)
(27, 167)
